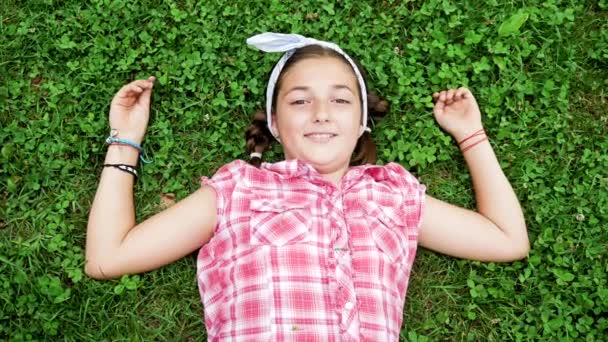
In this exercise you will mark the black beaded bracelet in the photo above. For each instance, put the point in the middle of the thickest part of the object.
(124, 167)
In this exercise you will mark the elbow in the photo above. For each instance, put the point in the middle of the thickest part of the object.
(98, 270)
(516, 244)
(523, 243)
(509, 253)
(522, 251)
(99, 265)
(519, 250)
(94, 270)
(525, 248)
(92, 264)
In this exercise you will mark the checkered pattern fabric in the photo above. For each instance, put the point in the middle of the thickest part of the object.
(297, 258)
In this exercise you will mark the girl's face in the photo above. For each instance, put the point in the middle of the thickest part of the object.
(318, 113)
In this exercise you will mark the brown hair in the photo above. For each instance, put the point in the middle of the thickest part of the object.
(258, 137)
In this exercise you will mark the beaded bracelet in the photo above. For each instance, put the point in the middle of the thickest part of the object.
(124, 167)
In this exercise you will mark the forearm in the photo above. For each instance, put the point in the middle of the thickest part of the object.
(495, 197)
(112, 213)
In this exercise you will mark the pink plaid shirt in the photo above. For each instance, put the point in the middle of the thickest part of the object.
(295, 258)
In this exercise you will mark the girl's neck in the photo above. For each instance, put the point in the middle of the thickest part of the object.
(333, 175)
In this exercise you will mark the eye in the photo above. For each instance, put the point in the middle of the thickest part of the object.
(342, 101)
(298, 102)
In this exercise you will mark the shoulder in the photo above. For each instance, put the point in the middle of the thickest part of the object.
(233, 168)
(245, 174)
(224, 182)
(398, 171)
(226, 176)
(231, 171)
(392, 174)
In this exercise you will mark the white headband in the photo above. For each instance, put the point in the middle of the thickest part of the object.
(288, 43)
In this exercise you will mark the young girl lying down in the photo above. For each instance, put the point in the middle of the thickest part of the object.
(319, 246)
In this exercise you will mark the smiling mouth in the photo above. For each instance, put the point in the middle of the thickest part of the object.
(320, 137)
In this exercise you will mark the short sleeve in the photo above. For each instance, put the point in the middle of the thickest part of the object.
(413, 194)
(223, 183)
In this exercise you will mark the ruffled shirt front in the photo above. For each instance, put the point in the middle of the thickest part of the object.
(297, 258)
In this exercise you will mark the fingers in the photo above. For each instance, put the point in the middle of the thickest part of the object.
(439, 96)
(137, 87)
(447, 97)
(141, 85)
(439, 108)
(462, 93)
(451, 95)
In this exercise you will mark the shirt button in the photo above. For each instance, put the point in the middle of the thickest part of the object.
(349, 305)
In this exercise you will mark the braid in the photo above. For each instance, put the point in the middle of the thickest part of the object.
(258, 137)
(376, 106)
(365, 151)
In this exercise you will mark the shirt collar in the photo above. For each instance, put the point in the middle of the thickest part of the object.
(290, 168)
(295, 168)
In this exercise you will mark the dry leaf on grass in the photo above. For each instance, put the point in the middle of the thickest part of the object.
(167, 200)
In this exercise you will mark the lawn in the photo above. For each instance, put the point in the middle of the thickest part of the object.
(539, 70)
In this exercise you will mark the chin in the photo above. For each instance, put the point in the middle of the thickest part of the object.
(324, 161)
(323, 157)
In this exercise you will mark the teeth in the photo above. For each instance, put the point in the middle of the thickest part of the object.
(320, 136)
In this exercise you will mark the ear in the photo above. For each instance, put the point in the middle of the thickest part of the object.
(362, 130)
(274, 128)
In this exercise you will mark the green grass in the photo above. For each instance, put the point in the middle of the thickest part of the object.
(542, 89)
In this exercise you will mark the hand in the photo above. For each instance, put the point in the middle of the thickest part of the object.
(457, 112)
(130, 110)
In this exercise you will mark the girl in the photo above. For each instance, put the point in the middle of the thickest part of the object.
(309, 248)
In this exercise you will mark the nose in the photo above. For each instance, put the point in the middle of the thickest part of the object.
(321, 112)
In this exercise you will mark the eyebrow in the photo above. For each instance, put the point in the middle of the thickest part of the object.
(305, 88)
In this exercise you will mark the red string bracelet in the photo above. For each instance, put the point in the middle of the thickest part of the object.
(474, 144)
(478, 133)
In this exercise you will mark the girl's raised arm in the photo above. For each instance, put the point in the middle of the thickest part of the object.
(115, 244)
(497, 231)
